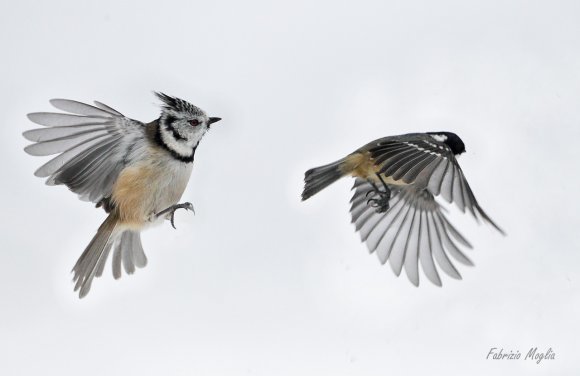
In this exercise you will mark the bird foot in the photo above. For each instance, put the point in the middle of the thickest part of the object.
(171, 211)
(380, 203)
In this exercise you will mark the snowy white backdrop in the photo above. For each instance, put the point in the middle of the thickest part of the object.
(257, 282)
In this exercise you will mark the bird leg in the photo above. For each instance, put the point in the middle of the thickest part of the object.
(171, 210)
(381, 203)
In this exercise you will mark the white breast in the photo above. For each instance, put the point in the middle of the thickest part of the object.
(150, 185)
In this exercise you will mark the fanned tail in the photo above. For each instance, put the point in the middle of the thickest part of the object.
(128, 252)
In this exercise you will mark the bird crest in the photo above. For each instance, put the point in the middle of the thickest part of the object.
(178, 105)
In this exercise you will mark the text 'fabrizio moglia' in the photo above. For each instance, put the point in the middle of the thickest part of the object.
(533, 354)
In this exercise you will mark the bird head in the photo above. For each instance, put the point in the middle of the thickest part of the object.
(182, 125)
(450, 139)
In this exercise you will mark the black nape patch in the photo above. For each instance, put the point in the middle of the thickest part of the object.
(452, 140)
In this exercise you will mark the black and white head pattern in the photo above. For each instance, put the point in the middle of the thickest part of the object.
(450, 139)
(181, 127)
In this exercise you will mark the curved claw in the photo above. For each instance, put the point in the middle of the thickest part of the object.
(379, 204)
(172, 220)
(379, 198)
(172, 209)
(381, 209)
(186, 206)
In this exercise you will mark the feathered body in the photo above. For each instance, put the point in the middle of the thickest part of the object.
(135, 199)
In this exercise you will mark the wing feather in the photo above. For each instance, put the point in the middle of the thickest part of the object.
(392, 164)
(398, 240)
(385, 158)
(447, 184)
(386, 238)
(61, 144)
(107, 108)
(422, 161)
(80, 108)
(409, 165)
(457, 191)
(53, 133)
(378, 232)
(412, 231)
(57, 162)
(426, 252)
(412, 250)
(413, 172)
(438, 250)
(51, 119)
(93, 144)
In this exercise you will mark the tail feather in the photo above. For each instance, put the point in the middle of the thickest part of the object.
(103, 260)
(94, 256)
(117, 254)
(318, 178)
(128, 253)
(139, 257)
(127, 249)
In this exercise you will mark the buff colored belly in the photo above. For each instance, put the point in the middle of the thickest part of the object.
(148, 187)
(361, 165)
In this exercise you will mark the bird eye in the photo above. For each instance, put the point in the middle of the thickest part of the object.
(194, 122)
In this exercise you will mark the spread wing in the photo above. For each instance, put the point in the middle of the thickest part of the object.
(93, 144)
(427, 164)
(413, 230)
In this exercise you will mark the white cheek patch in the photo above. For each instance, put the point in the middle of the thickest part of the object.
(439, 137)
(197, 135)
(181, 147)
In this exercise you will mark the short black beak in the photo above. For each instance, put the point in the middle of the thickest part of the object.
(213, 120)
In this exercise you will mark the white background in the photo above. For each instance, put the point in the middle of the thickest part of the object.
(257, 282)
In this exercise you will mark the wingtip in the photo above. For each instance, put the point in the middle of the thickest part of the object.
(501, 231)
(28, 135)
(31, 116)
(27, 149)
(54, 101)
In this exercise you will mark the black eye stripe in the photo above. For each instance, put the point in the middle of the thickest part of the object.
(169, 126)
(169, 119)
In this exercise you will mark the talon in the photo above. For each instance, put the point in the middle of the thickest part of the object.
(172, 219)
(171, 211)
(380, 198)
(381, 209)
